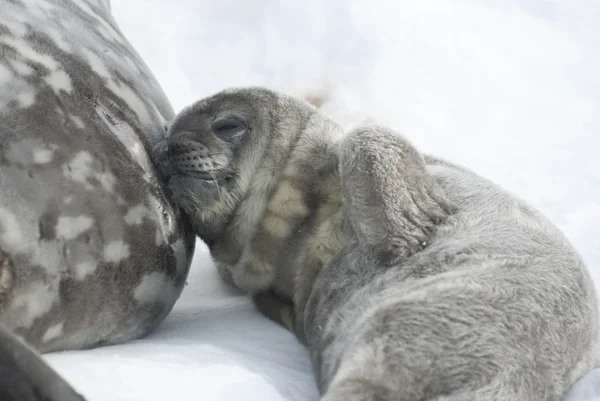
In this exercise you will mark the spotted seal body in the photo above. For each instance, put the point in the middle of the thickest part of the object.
(92, 251)
(409, 278)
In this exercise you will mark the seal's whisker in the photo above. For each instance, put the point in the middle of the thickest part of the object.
(216, 183)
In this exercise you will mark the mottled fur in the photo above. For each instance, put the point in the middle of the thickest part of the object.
(408, 278)
(92, 251)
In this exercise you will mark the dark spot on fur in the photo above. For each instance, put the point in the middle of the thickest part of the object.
(86, 238)
(94, 182)
(3, 159)
(66, 290)
(47, 225)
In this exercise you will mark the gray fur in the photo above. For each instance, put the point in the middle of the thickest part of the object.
(92, 251)
(407, 277)
(24, 376)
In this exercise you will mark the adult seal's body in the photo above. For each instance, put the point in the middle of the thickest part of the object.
(91, 250)
(408, 278)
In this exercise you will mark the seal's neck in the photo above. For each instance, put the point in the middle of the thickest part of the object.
(292, 195)
(305, 209)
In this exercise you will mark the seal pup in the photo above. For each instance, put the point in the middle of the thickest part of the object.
(92, 251)
(408, 277)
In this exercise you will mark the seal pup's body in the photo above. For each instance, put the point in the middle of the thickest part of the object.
(408, 278)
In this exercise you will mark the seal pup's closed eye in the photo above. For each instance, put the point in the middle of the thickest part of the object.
(407, 277)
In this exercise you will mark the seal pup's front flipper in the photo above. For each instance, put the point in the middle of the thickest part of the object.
(392, 203)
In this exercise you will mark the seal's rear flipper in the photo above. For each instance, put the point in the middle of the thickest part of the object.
(25, 376)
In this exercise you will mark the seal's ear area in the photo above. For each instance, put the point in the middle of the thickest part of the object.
(229, 128)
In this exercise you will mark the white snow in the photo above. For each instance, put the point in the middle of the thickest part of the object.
(508, 88)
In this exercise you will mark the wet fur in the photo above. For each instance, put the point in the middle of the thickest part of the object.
(407, 277)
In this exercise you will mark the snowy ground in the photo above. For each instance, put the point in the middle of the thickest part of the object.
(508, 88)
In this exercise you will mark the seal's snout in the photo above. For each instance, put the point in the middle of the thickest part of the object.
(199, 157)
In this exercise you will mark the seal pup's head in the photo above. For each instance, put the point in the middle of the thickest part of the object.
(215, 147)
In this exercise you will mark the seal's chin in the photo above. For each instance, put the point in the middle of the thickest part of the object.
(205, 202)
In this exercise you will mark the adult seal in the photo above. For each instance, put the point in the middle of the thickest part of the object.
(92, 251)
(408, 277)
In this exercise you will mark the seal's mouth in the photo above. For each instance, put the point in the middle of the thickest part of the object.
(172, 165)
(209, 177)
(222, 180)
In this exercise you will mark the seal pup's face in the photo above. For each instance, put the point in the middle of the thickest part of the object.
(213, 149)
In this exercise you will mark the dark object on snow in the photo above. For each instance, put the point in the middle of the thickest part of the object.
(25, 376)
